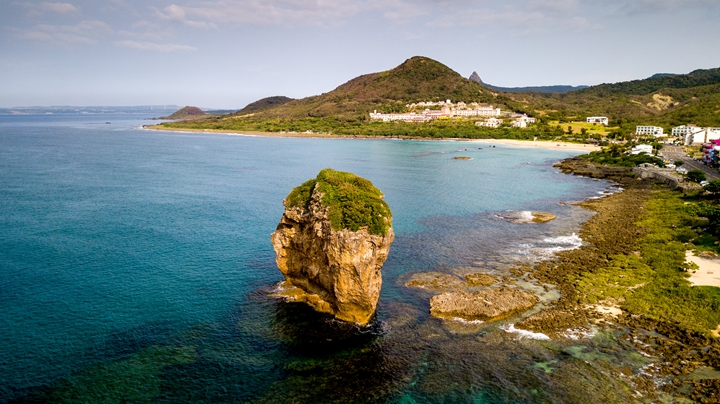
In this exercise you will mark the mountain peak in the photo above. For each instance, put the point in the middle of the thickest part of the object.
(185, 113)
(475, 77)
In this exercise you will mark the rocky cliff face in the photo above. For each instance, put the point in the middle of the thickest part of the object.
(335, 271)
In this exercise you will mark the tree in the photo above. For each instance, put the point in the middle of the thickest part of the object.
(713, 187)
(712, 212)
(615, 150)
(696, 176)
(679, 163)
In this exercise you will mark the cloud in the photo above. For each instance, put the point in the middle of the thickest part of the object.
(61, 8)
(154, 47)
(47, 7)
(532, 17)
(86, 32)
(179, 14)
(468, 18)
(560, 6)
(638, 7)
(286, 12)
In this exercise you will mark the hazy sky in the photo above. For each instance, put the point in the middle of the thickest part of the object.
(227, 53)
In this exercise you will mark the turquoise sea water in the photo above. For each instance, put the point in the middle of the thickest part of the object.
(135, 267)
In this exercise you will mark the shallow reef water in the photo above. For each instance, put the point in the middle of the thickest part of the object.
(136, 267)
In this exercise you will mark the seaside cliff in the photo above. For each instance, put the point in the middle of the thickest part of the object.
(331, 243)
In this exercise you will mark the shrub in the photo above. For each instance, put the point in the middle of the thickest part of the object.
(713, 187)
(352, 201)
(696, 175)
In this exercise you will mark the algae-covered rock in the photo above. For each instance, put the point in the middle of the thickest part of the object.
(480, 279)
(331, 243)
(526, 216)
(542, 217)
(483, 305)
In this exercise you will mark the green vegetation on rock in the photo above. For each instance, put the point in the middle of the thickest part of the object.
(653, 281)
(610, 157)
(352, 201)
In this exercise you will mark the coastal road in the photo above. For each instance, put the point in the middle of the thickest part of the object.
(674, 153)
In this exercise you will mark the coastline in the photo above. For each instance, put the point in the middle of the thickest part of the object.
(585, 278)
(540, 144)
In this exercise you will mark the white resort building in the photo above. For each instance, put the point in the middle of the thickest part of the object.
(409, 117)
(490, 122)
(642, 148)
(448, 110)
(603, 120)
(650, 130)
(522, 121)
(701, 135)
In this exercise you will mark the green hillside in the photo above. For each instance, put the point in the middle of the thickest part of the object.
(265, 103)
(417, 79)
(697, 78)
(665, 100)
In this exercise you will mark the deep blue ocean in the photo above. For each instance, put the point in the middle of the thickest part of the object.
(135, 266)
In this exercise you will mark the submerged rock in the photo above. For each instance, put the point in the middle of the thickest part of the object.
(483, 305)
(526, 216)
(331, 243)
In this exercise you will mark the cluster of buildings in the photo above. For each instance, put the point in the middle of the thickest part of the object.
(447, 110)
(520, 121)
(692, 134)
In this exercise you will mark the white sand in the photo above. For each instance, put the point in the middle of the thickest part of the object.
(708, 274)
(612, 311)
(542, 144)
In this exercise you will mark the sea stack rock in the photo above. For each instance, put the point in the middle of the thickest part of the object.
(331, 243)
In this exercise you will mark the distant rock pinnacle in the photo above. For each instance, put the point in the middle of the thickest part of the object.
(475, 77)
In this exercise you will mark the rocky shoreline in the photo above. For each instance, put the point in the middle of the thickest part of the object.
(613, 230)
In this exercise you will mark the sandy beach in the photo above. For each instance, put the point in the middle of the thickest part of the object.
(540, 144)
(709, 272)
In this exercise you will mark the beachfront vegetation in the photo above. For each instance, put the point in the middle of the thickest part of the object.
(464, 129)
(696, 175)
(653, 281)
(352, 201)
(713, 187)
(614, 155)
